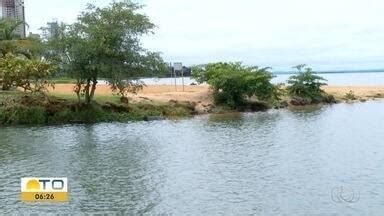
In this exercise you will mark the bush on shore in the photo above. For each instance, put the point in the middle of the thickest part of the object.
(32, 75)
(350, 96)
(305, 87)
(234, 84)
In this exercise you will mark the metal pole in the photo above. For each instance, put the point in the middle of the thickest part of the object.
(170, 66)
(174, 71)
(182, 75)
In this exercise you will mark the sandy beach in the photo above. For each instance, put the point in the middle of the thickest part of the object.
(153, 92)
(200, 93)
(364, 92)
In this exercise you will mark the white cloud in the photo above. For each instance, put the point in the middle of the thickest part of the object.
(39, 12)
(328, 34)
(280, 33)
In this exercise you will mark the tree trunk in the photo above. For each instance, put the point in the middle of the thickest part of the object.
(77, 89)
(87, 95)
(94, 83)
(78, 96)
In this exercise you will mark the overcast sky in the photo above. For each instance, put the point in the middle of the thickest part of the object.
(327, 34)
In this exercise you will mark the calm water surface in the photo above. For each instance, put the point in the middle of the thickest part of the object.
(274, 163)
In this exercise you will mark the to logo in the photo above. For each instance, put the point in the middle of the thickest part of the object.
(44, 189)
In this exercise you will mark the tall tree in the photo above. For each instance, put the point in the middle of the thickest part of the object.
(55, 37)
(105, 43)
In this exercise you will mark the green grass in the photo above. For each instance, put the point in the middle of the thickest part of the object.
(102, 99)
(18, 108)
(64, 80)
(4, 94)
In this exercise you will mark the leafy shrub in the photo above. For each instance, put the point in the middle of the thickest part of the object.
(11, 67)
(3, 116)
(31, 75)
(65, 115)
(28, 115)
(306, 85)
(33, 115)
(350, 95)
(233, 83)
(92, 113)
(37, 76)
(125, 87)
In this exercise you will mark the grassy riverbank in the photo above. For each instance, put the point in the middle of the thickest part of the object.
(154, 102)
(17, 108)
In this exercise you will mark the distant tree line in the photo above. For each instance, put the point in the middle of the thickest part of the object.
(187, 72)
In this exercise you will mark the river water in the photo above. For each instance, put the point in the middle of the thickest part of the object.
(322, 161)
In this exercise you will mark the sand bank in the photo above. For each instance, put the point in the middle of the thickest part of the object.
(201, 93)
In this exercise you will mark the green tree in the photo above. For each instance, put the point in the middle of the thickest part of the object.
(306, 85)
(9, 38)
(37, 76)
(125, 87)
(55, 36)
(14, 52)
(11, 68)
(8, 29)
(105, 43)
(233, 83)
(33, 75)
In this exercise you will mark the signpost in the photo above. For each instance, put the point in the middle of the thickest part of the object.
(178, 66)
(175, 76)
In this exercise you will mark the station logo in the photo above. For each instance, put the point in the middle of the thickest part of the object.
(44, 189)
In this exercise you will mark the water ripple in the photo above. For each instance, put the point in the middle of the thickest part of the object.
(273, 163)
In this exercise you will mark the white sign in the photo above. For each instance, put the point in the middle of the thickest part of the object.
(178, 66)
